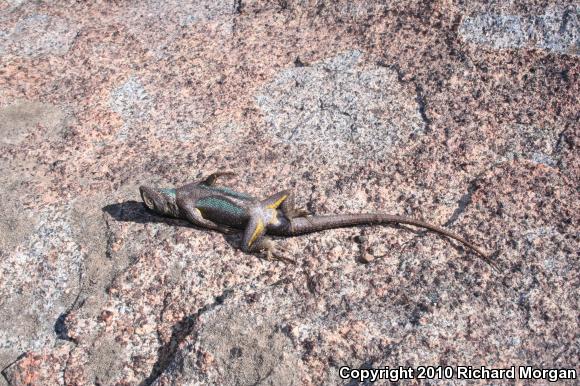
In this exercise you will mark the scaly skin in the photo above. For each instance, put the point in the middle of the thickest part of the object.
(222, 209)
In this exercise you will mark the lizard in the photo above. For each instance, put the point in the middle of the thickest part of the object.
(222, 209)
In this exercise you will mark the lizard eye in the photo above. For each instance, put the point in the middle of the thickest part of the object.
(148, 202)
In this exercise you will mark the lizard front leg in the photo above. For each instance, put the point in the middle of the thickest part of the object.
(212, 178)
(194, 216)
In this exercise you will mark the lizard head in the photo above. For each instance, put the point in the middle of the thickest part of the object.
(162, 201)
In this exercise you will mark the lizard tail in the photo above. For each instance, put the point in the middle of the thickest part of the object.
(309, 224)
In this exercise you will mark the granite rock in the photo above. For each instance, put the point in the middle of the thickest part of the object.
(37, 35)
(556, 30)
(345, 106)
(464, 114)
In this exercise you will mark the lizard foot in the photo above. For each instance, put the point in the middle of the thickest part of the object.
(302, 212)
(226, 230)
(297, 212)
(273, 253)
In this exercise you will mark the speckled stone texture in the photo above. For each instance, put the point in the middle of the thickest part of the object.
(463, 114)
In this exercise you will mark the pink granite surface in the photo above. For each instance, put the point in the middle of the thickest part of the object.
(460, 113)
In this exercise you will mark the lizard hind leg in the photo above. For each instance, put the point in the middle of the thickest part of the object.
(277, 199)
(255, 241)
(284, 200)
(254, 231)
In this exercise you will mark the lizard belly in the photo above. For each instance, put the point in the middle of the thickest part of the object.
(223, 211)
